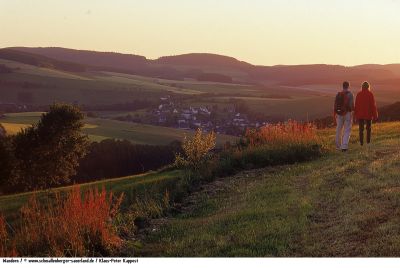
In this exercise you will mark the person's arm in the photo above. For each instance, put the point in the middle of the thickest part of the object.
(356, 108)
(352, 102)
(373, 106)
(334, 109)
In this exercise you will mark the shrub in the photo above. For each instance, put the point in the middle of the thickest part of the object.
(290, 132)
(196, 155)
(275, 144)
(3, 131)
(282, 143)
(71, 225)
(196, 150)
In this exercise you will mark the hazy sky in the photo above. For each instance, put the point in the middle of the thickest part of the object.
(263, 32)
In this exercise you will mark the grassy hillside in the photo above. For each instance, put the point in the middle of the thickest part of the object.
(100, 129)
(345, 204)
(133, 187)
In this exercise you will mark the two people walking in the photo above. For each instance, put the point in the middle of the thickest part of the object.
(363, 110)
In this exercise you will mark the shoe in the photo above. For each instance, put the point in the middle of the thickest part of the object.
(344, 150)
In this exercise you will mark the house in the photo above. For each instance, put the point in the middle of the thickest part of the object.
(204, 111)
(197, 124)
(186, 114)
(193, 110)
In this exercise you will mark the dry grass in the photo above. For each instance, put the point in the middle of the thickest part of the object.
(290, 132)
(5, 248)
(14, 128)
(73, 225)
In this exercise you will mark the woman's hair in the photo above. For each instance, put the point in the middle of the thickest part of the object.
(365, 85)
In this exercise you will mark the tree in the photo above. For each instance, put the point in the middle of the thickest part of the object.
(47, 154)
(6, 161)
(2, 131)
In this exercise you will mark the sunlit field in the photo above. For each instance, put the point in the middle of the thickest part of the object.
(100, 129)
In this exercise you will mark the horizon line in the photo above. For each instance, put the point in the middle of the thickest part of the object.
(209, 53)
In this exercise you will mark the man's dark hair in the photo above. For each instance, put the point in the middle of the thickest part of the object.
(346, 85)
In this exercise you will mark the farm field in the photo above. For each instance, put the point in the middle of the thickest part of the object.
(100, 129)
(46, 86)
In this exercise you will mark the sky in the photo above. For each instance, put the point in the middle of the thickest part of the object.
(262, 32)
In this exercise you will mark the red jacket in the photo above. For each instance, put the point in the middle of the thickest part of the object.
(365, 107)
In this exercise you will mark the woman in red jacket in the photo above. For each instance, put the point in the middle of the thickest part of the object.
(365, 111)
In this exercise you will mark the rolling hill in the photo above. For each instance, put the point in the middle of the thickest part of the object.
(40, 61)
(205, 59)
(192, 64)
(91, 58)
(390, 112)
(41, 76)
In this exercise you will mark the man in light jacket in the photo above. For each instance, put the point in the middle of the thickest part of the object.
(343, 113)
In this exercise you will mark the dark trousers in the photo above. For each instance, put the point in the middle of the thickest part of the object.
(361, 124)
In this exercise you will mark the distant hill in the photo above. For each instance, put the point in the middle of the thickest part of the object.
(394, 68)
(212, 77)
(100, 61)
(40, 61)
(5, 70)
(319, 74)
(92, 58)
(390, 112)
(193, 65)
(205, 59)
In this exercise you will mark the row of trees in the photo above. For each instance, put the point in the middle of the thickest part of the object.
(115, 158)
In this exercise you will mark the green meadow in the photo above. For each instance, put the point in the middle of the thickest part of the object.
(100, 129)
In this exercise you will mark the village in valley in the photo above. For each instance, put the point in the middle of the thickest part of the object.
(168, 112)
(209, 118)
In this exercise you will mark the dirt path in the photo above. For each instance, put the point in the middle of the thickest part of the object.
(350, 209)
